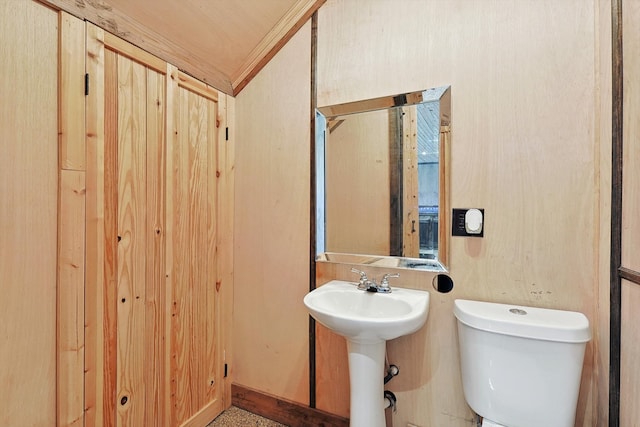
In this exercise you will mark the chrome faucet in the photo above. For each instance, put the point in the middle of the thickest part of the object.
(384, 283)
(365, 284)
(364, 281)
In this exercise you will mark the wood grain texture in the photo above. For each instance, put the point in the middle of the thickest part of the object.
(224, 44)
(271, 226)
(411, 215)
(155, 40)
(630, 349)
(126, 301)
(515, 100)
(98, 371)
(202, 89)
(333, 372)
(28, 213)
(631, 133)
(603, 152)
(71, 108)
(195, 365)
(132, 237)
(125, 48)
(121, 378)
(444, 196)
(283, 411)
(171, 132)
(155, 289)
(225, 254)
(109, 292)
(70, 311)
(273, 41)
(71, 221)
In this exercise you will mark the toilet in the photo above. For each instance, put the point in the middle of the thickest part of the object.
(521, 366)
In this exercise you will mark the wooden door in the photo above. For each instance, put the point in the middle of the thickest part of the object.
(154, 346)
(127, 294)
(28, 213)
(196, 367)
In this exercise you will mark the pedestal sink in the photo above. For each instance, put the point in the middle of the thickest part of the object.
(367, 320)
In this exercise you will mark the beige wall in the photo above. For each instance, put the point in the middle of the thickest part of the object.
(526, 135)
(271, 223)
(529, 121)
(630, 292)
(28, 213)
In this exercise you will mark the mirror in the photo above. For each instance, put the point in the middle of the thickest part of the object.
(382, 181)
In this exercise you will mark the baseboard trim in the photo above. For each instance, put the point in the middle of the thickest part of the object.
(283, 411)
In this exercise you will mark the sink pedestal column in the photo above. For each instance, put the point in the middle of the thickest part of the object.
(366, 375)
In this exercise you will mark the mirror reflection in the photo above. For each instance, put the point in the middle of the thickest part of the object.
(381, 177)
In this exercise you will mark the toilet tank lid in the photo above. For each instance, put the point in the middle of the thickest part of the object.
(526, 322)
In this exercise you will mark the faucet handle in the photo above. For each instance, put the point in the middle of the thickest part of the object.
(384, 283)
(362, 283)
(361, 273)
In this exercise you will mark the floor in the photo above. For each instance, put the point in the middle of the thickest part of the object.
(236, 417)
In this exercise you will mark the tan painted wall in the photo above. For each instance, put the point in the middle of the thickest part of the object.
(528, 96)
(631, 133)
(629, 368)
(530, 132)
(271, 223)
(28, 213)
(630, 334)
(527, 127)
(603, 190)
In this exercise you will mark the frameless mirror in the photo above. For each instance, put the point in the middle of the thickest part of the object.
(382, 180)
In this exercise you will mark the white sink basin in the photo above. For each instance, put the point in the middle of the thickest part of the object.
(367, 320)
(366, 316)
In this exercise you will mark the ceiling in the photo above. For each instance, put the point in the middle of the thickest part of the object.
(224, 43)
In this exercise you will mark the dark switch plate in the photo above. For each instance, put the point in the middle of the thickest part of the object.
(457, 223)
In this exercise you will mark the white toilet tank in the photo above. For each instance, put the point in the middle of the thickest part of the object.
(521, 366)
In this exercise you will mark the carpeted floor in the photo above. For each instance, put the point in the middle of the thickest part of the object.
(236, 417)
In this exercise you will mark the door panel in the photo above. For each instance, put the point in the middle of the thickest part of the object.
(133, 252)
(153, 302)
(196, 363)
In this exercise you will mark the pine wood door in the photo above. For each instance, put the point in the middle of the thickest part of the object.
(196, 367)
(155, 353)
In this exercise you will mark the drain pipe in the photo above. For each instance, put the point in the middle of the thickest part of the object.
(390, 398)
